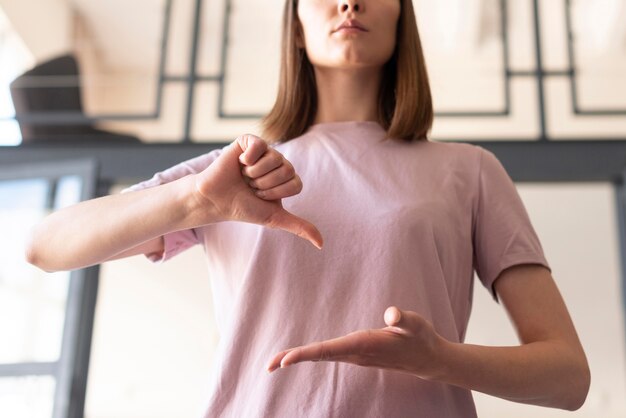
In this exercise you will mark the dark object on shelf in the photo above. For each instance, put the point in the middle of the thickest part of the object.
(59, 93)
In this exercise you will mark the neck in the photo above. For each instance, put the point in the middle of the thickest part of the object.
(347, 95)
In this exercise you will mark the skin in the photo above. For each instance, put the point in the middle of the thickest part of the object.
(348, 65)
(548, 367)
(122, 225)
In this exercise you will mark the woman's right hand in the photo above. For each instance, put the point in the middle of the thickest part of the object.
(247, 182)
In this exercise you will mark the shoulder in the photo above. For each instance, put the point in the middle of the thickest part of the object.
(460, 154)
(294, 143)
(461, 148)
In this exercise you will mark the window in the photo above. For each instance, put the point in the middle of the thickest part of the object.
(15, 58)
(45, 318)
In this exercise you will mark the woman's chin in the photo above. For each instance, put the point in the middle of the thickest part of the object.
(350, 60)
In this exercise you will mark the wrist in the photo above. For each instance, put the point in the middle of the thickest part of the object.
(198, 208)
(437, 367)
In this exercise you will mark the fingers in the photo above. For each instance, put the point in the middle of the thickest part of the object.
(275, 361)
(274, 175)
(269, 161)
(252, 148)
(275, 178)
(392, 316)
(311, 352)
(280, 175)
(329, 350)
(405, 321)
(298, 226)
(290, 188)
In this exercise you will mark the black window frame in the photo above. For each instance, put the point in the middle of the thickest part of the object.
(70, 370)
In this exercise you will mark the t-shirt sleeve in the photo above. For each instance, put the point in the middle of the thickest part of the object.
(503, 235)
(178, 241)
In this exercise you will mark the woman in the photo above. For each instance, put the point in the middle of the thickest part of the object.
(405, 221)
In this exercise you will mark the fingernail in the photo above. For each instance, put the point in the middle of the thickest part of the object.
(260, 193)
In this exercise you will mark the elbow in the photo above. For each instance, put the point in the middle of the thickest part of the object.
(578, 387)
(33, 256)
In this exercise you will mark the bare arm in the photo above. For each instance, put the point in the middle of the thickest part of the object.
(122, 225)
(549, 368)
(115, 226)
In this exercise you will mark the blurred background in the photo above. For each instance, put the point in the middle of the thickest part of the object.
(99, 94)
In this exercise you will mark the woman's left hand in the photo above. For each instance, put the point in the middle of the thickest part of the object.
(408, 344)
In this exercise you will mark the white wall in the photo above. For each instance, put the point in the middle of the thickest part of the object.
(577, 226)
(154, 338)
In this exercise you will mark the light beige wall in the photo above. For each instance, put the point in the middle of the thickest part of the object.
(465, 72)
(44, 25)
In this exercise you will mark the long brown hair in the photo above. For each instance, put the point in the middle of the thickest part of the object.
(405, 108)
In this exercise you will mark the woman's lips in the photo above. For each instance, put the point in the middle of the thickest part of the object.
(350, 30)
(351, 24)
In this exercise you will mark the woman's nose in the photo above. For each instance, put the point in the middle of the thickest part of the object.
(350, 6)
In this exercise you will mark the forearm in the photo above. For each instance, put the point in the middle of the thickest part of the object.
(546, 373)
(96, 230)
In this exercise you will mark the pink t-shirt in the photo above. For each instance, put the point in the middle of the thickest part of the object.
(404, 224)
